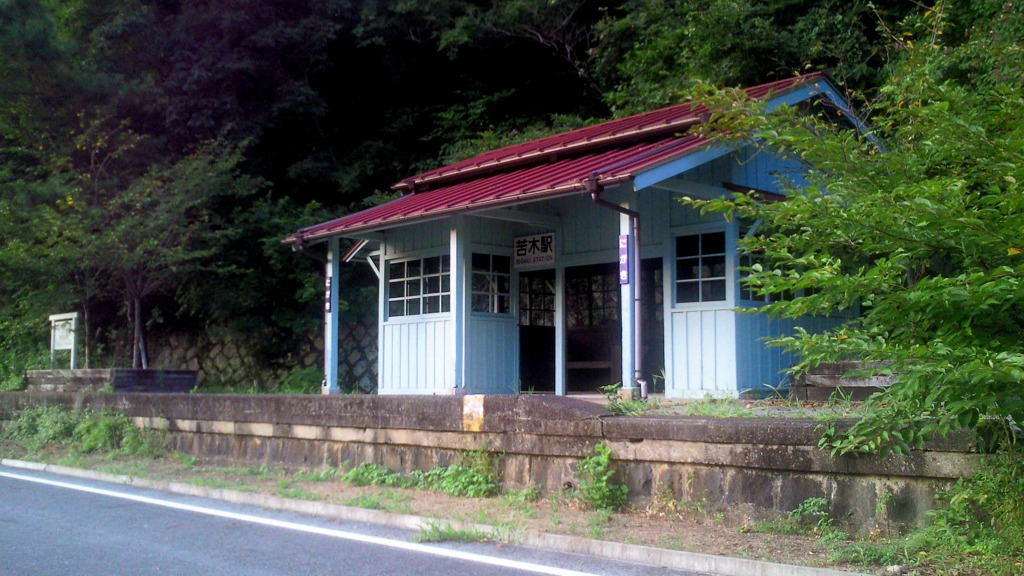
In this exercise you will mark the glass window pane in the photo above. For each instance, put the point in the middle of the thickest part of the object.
(504, 304)
(396, 289)
(413, 306)
(414, 268)
(688, 245)
(396, 270)
(445, 263)
(547, 303)
(524, 317)
(481, 282)
(481, 303)
(504, 284)
(396, 308)
(501, 264)
(446, 284)
(688, 268)
(713, 243)
(412, 287)
(431, 304)
(432, 265)
(715, 266)
(713, 291)
(432, 285)
(482, 262)
(687, 292)
(446, 304)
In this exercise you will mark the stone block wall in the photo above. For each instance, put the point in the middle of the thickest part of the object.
(745, 467)
(222, 357)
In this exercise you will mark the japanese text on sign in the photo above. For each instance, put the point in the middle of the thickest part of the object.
(624, 259)
(535, 250)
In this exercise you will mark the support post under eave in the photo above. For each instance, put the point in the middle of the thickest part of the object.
(458, 248)
(629, 289)
(333, 268)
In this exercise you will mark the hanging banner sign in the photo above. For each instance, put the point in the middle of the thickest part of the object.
(535, 250)
(624, 259)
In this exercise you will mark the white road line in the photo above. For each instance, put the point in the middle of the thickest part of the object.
(399, 544)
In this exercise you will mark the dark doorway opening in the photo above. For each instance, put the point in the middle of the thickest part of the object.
(537, 331)
(593, 328)
(652, 327)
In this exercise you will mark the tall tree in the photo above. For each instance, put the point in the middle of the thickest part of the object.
(918, 224)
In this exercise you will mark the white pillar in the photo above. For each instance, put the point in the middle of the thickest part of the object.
(333, 268)
(560, 339)
(627, 303)
(459, 289)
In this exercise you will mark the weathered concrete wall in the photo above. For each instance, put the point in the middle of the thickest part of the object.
(746, 466)
(117, 379)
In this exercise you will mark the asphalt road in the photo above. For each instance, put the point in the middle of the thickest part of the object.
(50, 525)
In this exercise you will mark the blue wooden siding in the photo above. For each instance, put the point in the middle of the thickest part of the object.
(765, 171)
(416, 351)
(492, 354)
(760, 365)
(493, 233)
(416, 356)
(703, 356)
(586, 227)
(417, 238)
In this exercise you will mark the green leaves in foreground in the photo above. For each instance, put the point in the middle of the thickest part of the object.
(84, 432)
(598, 489)
(910, 236)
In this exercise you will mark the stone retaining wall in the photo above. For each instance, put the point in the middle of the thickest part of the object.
(745, 466)
(222, 357)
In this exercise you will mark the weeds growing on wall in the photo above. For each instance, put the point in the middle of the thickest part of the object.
(626, 407)
(598, 489)
(84, 432)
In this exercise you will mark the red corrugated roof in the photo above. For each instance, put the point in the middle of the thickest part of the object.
(612, 151)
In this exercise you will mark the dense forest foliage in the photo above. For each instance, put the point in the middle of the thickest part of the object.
(153, 153)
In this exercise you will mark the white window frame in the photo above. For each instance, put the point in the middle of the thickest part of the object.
(443, 276)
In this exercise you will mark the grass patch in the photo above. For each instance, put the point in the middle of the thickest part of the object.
(385, 500)
(135, 469)
(285, 489)
(323, 475)
(597, 522)
(619, 406)
(217, 484)
(370, 474)
(84, 432)
(434, 532)
(710, 407)
(811, 517)
(458, 480)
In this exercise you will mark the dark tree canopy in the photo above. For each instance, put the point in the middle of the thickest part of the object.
(306, 109)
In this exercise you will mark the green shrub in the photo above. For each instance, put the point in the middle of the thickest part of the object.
(626, 407)
(980, 520)
(37, 427)
(370, 474)
(459, 480)
(303, 381)
(597, 487)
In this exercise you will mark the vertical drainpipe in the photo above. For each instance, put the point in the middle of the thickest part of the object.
(594, 187)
